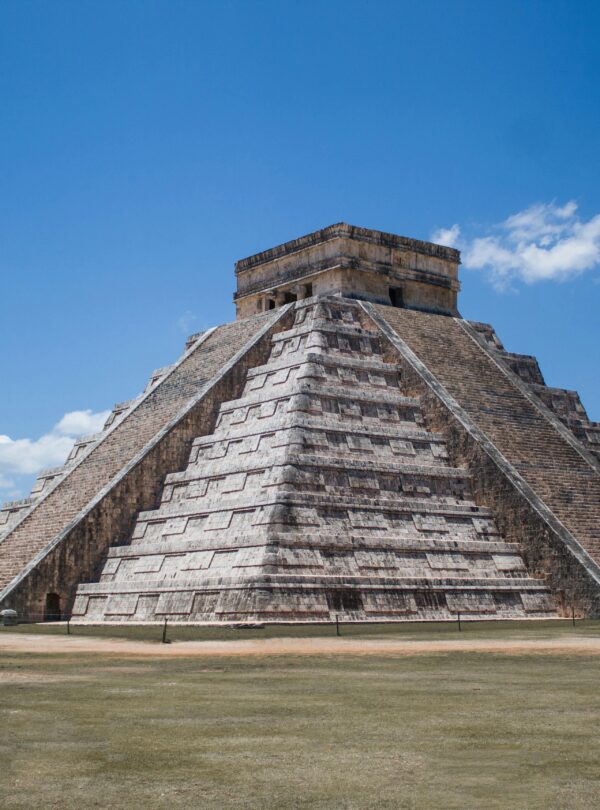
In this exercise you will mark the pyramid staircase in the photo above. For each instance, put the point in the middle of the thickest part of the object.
(320, 492)
(55, 539)
(563, 403)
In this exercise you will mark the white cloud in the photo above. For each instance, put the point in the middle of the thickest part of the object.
(28, 456)
(79, 423)
(25, 456)
(450, 237)
(543, 242)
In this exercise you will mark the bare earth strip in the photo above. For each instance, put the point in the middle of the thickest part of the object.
(15, 642)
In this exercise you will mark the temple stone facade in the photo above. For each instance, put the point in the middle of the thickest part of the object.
(348, 447)
(350, 262)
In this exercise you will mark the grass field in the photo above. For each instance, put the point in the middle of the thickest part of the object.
(456, 730)
(554, 628)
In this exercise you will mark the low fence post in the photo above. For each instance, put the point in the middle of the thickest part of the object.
(459, 626)
(337, 625)
(164, 633)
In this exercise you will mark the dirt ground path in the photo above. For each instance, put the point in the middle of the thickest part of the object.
(54, 644)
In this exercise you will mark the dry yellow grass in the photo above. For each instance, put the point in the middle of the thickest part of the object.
(447, 730)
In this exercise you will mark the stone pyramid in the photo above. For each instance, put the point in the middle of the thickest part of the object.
(325, 455)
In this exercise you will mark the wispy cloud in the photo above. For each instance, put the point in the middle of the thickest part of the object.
(186, 322)
(24, 457)
(8, 488)
(543, 242)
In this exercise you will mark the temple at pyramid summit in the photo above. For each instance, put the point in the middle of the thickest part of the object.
(349, 446)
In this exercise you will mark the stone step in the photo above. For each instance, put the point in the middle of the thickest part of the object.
(323, 559)
(256, 510)
(322, 423)
(284, 600)
(416, 543)
(347, 409)
(322, 360)
(387, 397)
(313, 581)
(306, 375)
(323, 463)
(352, 343)
(324, 326)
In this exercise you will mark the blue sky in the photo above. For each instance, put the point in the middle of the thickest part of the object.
(145, 146)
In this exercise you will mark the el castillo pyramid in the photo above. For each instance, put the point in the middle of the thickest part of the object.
(349, 446)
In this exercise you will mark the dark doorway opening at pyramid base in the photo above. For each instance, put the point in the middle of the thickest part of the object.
(52, 608)
(397, 297)
(340, 601)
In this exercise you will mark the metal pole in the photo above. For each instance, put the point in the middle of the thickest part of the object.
(459, 627)
(164, 636)
(573, 614)
(69, 627)
(337, 625)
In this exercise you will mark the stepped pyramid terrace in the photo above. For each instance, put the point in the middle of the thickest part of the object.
(349, 446)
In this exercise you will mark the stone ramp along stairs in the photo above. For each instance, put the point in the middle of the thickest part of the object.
(532, 463)
(320, 491)
(58, 537)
